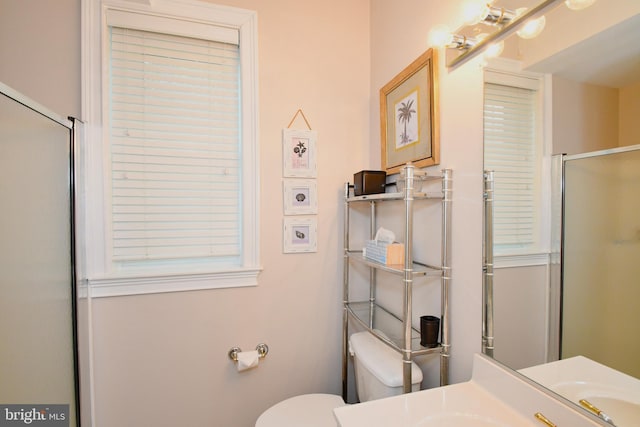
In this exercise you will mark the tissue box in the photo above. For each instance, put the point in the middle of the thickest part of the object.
(369, 182)
(383, 252)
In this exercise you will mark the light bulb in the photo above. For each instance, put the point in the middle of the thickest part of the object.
(474, 11)
(440, 36)
(494, 49)
(532, 27)
(578, 4)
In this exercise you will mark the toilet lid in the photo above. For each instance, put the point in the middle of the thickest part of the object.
(308, 410)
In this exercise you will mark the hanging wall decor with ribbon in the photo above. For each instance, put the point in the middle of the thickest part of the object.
(300, 192)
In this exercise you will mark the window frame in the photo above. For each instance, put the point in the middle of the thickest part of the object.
(509, 72)
(94, 236)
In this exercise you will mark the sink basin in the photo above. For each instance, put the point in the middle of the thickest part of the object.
(614, 393)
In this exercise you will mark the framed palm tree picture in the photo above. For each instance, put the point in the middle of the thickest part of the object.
(409, 116)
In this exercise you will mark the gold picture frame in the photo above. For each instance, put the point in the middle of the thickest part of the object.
(409, 119)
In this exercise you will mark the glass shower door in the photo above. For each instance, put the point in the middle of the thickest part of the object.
(601, 258)
(37, 356)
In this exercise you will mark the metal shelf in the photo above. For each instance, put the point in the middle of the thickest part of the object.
(387, 327)
(397, 331)
(418, 269)
(395, 196)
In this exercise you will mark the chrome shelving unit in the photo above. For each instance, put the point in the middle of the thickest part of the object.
(397, 331)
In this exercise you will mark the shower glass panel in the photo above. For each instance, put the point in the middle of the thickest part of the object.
(37, 357)
(601, 258)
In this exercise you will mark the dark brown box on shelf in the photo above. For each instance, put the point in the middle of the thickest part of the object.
(369, 182)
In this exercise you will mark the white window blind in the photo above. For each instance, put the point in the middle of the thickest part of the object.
(511, 151)
(174, 134)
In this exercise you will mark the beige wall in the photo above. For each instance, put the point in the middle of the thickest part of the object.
(585, 117)
(162, 359)
(42, 35)
(629, 128)
(588, 117)
(520, 323)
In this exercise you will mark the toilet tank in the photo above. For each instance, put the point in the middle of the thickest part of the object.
(378, 368)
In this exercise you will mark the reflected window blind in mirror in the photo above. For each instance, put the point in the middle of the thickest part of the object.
(513, 151)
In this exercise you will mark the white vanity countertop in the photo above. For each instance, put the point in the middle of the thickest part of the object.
(494, 397)
(465, 404)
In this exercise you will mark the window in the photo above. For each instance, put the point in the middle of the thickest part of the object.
(171, 159)
(514, 150)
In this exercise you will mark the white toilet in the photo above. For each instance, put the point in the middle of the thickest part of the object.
(378, 373)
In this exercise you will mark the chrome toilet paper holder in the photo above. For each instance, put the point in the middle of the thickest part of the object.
(261, 348)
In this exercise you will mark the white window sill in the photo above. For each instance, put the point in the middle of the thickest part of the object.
(110, 287)
(520, 260)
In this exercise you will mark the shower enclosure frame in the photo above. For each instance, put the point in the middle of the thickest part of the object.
(557, 292)
(71, 125)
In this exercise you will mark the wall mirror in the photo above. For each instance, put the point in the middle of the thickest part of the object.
(588, 63)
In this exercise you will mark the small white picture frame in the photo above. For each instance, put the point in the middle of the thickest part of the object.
(299, 153)
(300, 235)
(300, 196)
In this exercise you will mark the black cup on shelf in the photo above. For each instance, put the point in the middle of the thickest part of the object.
(429, 331)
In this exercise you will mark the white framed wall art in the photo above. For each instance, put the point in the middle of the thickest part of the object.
(299, 153)
(300, 235)
(300, 196)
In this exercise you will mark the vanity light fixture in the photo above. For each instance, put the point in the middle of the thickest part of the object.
(483, 12)
(498, 16)
(479, 11)
(526, 23)
(508, 22)
(440, 36)
(461, 42)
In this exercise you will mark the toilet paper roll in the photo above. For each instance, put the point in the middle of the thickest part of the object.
(247, 360)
